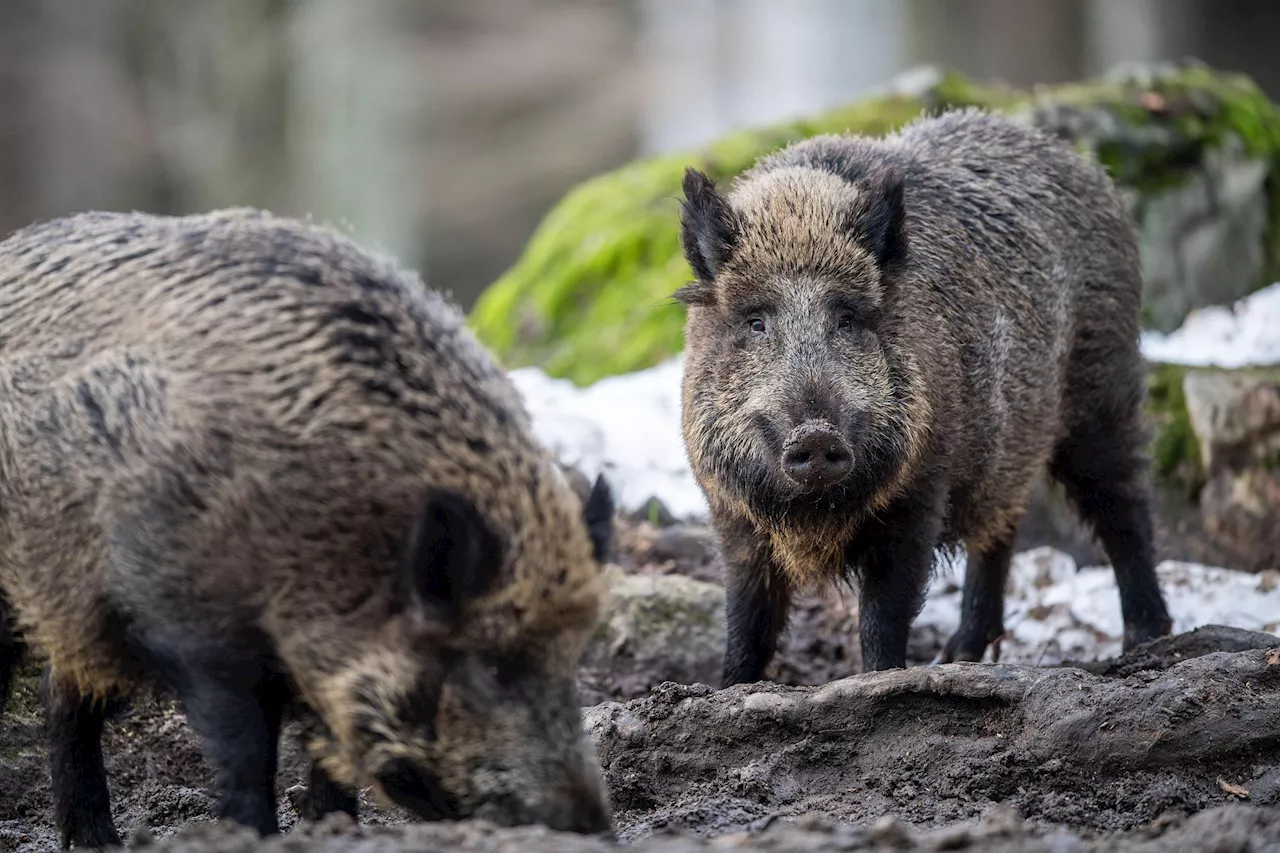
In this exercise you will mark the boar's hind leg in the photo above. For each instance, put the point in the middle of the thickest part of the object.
(757, 596)
(1100, 465)
(81, 802)
(981, 606)
(235, 704)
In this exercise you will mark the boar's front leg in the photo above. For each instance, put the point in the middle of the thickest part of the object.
(235, 703)
(757, 596)
(81, 801)
(10, 649)
(893, 568)
(325, 796)
(981, 605)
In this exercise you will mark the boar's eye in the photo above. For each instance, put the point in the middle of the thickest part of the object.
(756, 325)
(845, 323)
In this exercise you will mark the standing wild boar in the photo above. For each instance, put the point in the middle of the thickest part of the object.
(887, 342)
(245, 460)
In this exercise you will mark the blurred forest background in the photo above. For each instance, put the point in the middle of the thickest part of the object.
(442, 130)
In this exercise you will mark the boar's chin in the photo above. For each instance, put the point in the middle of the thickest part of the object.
(762, 486)
(769, 494)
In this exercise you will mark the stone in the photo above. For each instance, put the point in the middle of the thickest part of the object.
(654, 511)
(682, 548)
(1236, 420)
(1241, 511)
(1235, 416)
(1204, 242)
(656, 628)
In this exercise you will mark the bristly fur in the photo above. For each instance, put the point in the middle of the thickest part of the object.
(959, 302)
(243, 457)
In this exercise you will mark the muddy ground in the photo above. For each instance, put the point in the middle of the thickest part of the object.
(1176, 747)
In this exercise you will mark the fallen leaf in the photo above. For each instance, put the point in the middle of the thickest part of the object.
(1153, 101)
(1273, 657)
(1233, 790)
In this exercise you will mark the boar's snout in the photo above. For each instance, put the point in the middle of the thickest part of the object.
(578, 805)
(816, 456)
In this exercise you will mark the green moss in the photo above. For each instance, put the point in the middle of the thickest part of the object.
(590, 295)
(1175, 452)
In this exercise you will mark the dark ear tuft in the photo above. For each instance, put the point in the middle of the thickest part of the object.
(695, 293)
(452, 553)
(882, 218)
(708, 230)
(597, 514)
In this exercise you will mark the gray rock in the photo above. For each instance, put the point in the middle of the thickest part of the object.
(655, 512)
(1236, 419)
(1241, 511)
(1235, 416)
(1203, 242)
(1203, 238)
(658, 628)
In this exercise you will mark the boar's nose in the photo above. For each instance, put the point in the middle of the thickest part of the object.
(816, 455)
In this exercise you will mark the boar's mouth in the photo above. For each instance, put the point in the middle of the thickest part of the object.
(417, 791)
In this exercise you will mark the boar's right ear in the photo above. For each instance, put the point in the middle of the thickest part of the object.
(881, 218)
(597, 513)
(708, 232)
(452, 555)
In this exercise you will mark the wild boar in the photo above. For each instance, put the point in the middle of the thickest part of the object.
(888, 340)
(246, 461)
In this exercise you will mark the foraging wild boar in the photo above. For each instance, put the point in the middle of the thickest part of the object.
(887, 342)
(247, 461)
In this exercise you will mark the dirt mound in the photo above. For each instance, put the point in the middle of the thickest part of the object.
(932, 745)
(1236, 828)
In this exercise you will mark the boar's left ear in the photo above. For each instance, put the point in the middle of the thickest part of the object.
(452, 555)
(597, 513)
(708, 233)
(881, 218)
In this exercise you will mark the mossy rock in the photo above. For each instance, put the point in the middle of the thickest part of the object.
(1175, 447)
(590, 296)
(1175, 453)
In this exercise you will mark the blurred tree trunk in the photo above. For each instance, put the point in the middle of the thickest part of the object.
(1021, 42)
(353, 131)
(19, 20)
(216, 79)
(72, 136)
(184, 105)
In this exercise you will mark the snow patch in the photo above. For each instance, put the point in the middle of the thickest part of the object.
(626, 427)
(1240, 335)
(1054, 612)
